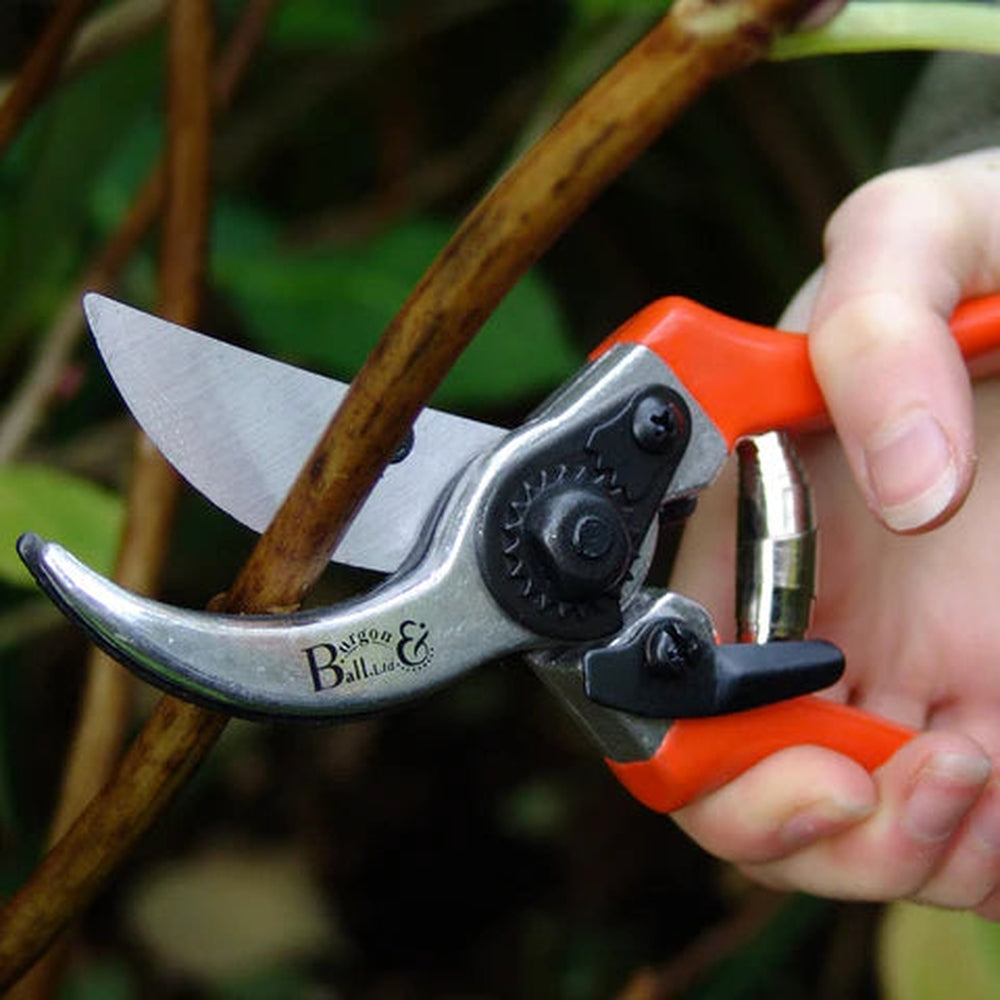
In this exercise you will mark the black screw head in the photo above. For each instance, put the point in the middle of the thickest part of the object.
(672, 649)
(658, 422)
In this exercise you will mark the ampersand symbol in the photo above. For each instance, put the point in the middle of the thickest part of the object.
(413, 648)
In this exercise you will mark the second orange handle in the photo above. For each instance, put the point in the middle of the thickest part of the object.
(698, 756)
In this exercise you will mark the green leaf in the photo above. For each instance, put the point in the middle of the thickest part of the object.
(67, 509)
(131, 157)
(107, 979)
(328, 308)
(898, 26)
(926, 953)
(752, 969)
(319, 23)
(287, 982)
(59, 156)
(595, 9)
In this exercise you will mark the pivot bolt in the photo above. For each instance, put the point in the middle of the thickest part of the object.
(580, 539)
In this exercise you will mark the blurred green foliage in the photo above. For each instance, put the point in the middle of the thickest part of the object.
(325, 308)
(471, 846)
(60, 505)
(928, 953)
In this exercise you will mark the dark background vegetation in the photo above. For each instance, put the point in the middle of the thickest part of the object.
(472, 845)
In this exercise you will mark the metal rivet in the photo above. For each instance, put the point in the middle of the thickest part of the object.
(657, 423)
(671, 649)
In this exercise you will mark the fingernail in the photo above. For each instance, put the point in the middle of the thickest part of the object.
(985, 822)
(911, 470)
(942, 794)
(821, 819)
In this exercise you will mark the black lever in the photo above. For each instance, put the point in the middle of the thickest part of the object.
(667, 671)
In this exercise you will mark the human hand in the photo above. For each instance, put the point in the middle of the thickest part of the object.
(916, 616)
(901, 253)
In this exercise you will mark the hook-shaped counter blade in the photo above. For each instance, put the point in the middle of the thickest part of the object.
(417, 633)
(423, 627)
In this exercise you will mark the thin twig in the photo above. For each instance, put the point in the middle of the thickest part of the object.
(675, 977)
(240, 49)
(34, 394)
(430, 179)
(105, 705)
(699, 41)
(41, 68)
(154, 487)
(105, 33)
(900, 26)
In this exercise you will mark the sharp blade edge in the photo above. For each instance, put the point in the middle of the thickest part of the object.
(239, 426)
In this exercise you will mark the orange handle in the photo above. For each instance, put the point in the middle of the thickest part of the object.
(749, 379)
(699, 755)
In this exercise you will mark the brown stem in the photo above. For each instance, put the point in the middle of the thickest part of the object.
(189, 123)
(104, 706)
(516, 222)
(698, 42)
(105, 33)
(104, 709)
(677, 976)
(239, 51)
(154, 484)
(106, 702)
(171, 744)
(41, 68)
(29, 403)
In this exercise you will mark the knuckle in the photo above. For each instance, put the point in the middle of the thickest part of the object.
(919, 200)
(872, 329)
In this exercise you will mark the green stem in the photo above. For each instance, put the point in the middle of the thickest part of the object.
(875, 27)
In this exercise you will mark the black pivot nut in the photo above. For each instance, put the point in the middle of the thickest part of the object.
(582, 542)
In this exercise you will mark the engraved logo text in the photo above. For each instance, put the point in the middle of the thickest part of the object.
(368, 653)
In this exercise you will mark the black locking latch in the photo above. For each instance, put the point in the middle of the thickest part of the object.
(667, 671)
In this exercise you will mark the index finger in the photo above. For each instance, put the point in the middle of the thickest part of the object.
(902, 252)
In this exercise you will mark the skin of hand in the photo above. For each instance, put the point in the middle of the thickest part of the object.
(909, 565)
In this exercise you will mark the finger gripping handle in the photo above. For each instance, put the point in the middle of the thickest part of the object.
(748, 378)
(698, 756)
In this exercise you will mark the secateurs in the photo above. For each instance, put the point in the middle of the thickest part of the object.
(536, 541)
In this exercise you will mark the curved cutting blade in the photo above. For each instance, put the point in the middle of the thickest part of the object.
(239, 426)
